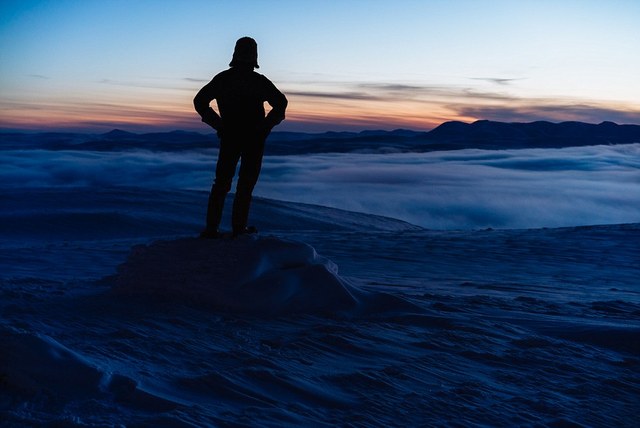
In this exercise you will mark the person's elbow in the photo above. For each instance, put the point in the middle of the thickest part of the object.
(199, 103)
(282, 106)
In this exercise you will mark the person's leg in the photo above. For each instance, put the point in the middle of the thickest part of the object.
(225, 169)
(250, 165)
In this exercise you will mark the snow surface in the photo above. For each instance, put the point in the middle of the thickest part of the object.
(112, 314)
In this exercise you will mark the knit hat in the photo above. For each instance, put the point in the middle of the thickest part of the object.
(246, 52)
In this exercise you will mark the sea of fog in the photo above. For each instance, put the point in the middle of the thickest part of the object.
(465, 189)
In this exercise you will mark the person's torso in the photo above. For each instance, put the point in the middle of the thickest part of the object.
(240, 95)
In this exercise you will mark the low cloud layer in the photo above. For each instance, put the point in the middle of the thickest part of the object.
(471, 188)
(464, 189)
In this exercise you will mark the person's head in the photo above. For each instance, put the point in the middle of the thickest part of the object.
(245, 53)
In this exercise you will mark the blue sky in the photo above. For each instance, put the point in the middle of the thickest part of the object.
(343, 64)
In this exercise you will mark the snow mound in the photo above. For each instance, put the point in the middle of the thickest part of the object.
(255, 275)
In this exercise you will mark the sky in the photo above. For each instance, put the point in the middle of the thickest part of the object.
(96, 65)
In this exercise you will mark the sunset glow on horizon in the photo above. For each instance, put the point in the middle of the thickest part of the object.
(98, 65)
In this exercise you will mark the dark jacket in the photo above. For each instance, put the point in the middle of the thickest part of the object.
(240, 93)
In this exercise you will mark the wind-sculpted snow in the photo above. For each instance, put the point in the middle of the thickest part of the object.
(249, 275)
(33, 365)
(529, 327)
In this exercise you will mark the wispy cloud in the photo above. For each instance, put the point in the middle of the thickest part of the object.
(334, 95)
(424, 106)
(195, 80)
(142, 103)
(497, 80)
(145, 115)
(399, 93)
(155, 84)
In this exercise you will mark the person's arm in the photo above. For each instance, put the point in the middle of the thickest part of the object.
(278, 103)
(202, 102)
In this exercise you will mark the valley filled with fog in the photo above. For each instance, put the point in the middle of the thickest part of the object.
(461, 189)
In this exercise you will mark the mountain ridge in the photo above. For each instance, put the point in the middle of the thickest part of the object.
(451, 135)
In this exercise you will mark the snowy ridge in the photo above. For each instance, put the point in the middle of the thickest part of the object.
(126, 212)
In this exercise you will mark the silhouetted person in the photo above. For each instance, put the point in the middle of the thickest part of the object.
(242, 128)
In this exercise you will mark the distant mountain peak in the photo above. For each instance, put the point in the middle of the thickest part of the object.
(118, 133)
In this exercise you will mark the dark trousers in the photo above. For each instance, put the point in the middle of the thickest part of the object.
(248, 149)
